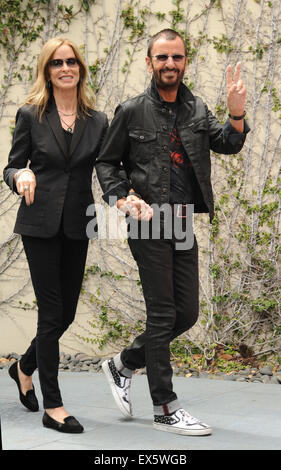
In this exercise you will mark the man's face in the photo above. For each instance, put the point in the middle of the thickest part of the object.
(167, 73)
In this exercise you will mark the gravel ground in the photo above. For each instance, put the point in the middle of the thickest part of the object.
(81, 362)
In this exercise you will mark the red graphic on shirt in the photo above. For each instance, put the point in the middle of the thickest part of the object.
(177, 158)
(176, 153)
(174, 137)
(176, 150)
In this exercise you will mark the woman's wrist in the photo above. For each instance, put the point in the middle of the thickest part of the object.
(20, 171)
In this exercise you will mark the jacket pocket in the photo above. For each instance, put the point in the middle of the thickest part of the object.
(142, 144)
(34, 214)
(198, 126)
(196, 133)
(143, 147)
(142, 135)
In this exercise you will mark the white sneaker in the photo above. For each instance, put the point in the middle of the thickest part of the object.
(120, 387)
(180, 422)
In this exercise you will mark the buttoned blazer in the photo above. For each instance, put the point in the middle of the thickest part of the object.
(64, 178)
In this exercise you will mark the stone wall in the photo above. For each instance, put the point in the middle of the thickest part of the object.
(239, 264)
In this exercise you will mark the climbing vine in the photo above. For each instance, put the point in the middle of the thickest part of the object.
(240, 253)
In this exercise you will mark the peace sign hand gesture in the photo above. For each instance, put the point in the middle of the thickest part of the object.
(236, 91)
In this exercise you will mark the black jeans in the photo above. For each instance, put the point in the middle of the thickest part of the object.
(57, 267)
(170, 285)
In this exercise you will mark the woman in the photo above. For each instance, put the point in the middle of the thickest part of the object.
(60, 134)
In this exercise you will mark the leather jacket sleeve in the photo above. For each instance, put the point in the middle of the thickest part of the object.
(225, 139)
(110, 171)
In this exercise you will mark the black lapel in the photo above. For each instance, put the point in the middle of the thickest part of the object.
(79, 128)
(54, 122)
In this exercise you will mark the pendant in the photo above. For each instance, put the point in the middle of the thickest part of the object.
(69, 129)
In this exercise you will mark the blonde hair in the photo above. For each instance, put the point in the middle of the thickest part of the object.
(41, 91)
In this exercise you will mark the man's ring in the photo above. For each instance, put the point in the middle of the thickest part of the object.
(26, 188)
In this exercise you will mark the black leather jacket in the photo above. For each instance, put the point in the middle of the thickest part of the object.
(138, 138)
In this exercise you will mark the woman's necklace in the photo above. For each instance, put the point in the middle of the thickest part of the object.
(69, 126)
(64, 114)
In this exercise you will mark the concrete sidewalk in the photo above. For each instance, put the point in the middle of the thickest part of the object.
(244, 416)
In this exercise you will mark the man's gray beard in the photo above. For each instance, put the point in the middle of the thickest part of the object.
(167, 86)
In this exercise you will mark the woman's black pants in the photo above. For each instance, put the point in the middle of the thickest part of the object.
(57, 267)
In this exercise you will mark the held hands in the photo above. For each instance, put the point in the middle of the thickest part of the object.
(135, 207)
(236, 91)
(26, 182)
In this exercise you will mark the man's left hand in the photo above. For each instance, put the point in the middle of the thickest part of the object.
(236, 94)
(236, 91)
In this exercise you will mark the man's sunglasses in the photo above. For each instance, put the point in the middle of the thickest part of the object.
(58, 63)
(165, 57)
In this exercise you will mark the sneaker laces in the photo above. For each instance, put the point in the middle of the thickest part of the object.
(127, 391)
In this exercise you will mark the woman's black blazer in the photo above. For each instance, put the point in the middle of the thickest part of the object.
(64, 178)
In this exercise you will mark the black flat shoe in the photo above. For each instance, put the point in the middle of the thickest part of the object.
(70, 425)
(29, 400)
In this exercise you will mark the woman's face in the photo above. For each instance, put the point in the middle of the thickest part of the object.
(64, 71)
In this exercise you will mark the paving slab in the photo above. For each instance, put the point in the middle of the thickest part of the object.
(244, 416)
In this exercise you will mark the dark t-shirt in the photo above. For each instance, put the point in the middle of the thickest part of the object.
(180, 166)
(68, 138)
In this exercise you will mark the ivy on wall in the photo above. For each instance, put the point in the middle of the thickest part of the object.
(240, 253)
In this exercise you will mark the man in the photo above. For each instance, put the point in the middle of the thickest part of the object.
(163, 138)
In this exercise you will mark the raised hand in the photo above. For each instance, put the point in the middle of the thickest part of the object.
(236, 91)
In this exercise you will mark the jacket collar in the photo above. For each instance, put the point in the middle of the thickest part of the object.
(184, 94)
(55, 124)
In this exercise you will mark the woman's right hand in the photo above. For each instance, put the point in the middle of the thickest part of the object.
(26, 184)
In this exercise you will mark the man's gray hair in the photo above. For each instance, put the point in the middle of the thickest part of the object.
(169, 34)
